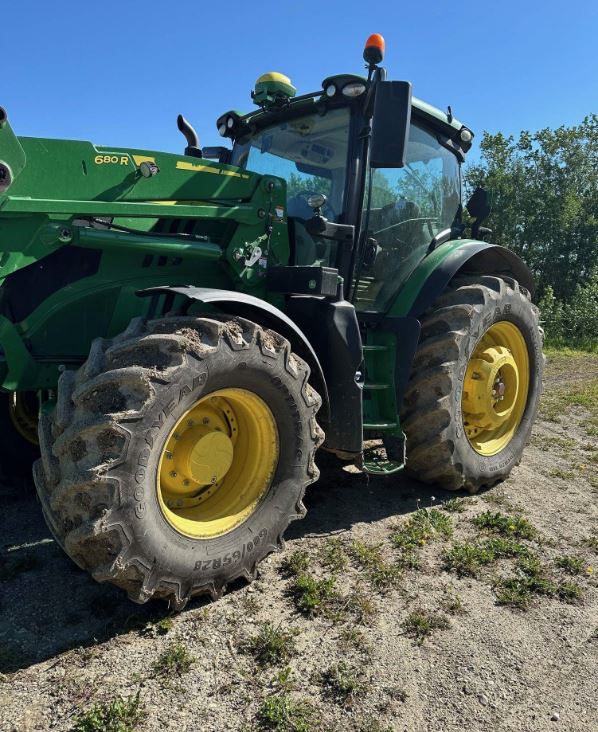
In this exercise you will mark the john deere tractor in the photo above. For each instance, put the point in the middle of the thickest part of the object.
(179, 334)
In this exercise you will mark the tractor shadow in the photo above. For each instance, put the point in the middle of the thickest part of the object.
(49, 606)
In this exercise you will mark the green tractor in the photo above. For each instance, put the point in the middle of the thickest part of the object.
(179, 334)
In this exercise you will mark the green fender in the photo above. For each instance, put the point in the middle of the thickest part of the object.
(433, 273)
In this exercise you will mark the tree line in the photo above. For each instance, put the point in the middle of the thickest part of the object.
(544, 188)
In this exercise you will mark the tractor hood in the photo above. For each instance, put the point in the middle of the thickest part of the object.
(48, 169)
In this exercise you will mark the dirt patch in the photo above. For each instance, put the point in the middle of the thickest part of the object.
(369, 621)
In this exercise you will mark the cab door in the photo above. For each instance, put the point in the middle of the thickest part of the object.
(404, 208)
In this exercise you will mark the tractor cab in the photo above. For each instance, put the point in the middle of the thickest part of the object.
(372, 174)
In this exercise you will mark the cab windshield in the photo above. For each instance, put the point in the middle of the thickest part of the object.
(309, 152)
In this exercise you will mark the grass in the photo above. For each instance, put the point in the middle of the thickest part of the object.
(372, 725)
(456, 505)
(271, 645)
(424, 526)
(532, 579)
(500, 523)
(314, 596)
(283, 714)
(358, 603)
(342, 683)
(381, 574)
(119, 715)
(333, 555)
(353, 638)
(573, 565)
(576, 394)
(157, 627)
(297, 563)
(420, 624)
(451, 603)
(467, 559)
(174, 661)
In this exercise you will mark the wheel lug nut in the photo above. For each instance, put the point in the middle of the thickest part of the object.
(205, 420)
(169, 456)
(173, 473)
(186, 481)
(476, 375)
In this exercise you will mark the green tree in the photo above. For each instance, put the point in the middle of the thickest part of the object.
(545, 207)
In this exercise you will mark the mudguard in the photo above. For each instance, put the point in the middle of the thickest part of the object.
(434, 273)
(261, 312)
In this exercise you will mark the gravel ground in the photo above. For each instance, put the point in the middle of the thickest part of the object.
(397, 641)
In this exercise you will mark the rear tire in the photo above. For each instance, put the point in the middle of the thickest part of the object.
(438, 448)
(100, 477)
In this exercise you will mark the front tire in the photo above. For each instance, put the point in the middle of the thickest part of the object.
(475, 385)
(178, 454)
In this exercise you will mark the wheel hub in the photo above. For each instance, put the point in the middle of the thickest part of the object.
(217, 463)
(495, 388)
(491, 386)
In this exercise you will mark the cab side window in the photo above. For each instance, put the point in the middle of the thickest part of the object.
(405, 208)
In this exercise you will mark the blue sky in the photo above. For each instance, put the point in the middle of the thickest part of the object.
(118, 73)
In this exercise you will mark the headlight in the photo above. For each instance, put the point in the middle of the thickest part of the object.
(354, 89)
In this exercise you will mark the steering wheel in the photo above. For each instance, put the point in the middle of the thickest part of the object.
(302, 197)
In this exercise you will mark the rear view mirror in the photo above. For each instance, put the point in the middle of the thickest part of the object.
(390, 124)
(479, 203)
(479, 207)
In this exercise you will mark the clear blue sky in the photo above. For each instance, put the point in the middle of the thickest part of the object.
(118, 73)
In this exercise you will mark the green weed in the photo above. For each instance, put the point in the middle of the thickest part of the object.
(451, 603)
(314, 596)
(271, 645)
(157, 627)
(119, 715)
(420, 624)
(342, 683)
(174, 661)
(283, 714)
(572, 565)
(380, 573)
(467, 559)
(532, 579)
(516, 526)
(333, 555)
(455, 505)
(297, 563)
(424, 526)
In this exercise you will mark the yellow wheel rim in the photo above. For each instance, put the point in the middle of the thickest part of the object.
(495, 388)
(23, 409)
(218, 463)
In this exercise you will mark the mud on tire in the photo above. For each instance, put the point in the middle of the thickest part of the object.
(438, 450)
(97, 478)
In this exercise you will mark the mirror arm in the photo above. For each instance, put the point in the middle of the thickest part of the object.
(319, 226)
